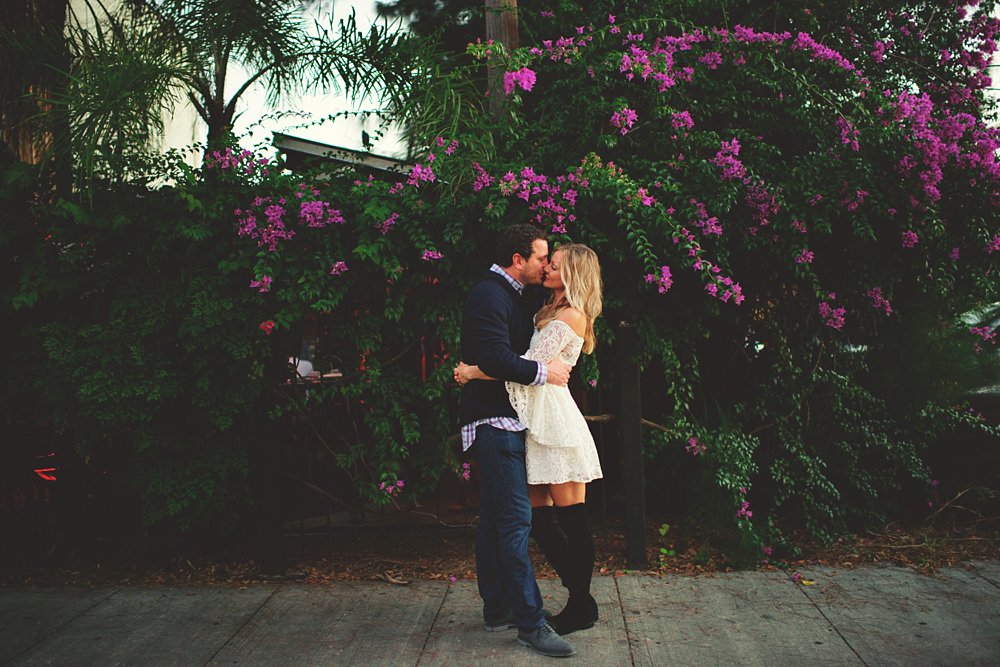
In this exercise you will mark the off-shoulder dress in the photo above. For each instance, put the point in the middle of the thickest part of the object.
(559, 445)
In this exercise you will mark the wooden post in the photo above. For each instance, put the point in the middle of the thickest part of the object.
(632, 460)
(272, 532)
(502, 28)
(267, 467)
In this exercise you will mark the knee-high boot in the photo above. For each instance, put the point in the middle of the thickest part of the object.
(550, 540)
(581, 609)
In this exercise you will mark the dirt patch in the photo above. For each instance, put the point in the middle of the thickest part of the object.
(398, 557)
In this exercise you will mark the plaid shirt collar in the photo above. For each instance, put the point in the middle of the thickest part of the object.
(519, 286)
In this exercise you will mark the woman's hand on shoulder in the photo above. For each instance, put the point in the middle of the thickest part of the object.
(575, 319)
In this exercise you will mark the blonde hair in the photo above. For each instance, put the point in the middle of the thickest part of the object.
(581, 277)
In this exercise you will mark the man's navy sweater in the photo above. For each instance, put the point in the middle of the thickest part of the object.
(496, 329)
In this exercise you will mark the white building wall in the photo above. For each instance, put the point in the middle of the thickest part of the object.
(343, 131)
(182, 127)
(256, 121)
(994, 91)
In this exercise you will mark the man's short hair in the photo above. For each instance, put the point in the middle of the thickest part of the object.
(516, 240)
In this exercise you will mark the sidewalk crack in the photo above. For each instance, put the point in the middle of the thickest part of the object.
(430, 630)
(832, 625)
(975, 571)
(59, 629)
(245, 623)
(628, 632)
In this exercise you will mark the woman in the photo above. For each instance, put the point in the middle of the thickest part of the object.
(560, 453)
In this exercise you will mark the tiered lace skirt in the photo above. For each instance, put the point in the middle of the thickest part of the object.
(556, 465)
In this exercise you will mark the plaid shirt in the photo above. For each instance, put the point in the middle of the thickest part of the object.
(502, 423)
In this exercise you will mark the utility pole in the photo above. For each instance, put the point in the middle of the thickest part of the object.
(502, 28)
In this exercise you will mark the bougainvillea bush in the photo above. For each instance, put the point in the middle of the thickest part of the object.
(779, 212)
(779, 209)
(792, 207)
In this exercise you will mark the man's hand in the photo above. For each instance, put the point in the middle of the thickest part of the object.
(558, 373)
(460, 373)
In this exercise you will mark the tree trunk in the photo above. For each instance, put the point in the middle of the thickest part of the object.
(632, 458)
(40, 22)
(502, 28)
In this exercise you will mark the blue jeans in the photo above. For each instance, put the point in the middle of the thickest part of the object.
(506, 577)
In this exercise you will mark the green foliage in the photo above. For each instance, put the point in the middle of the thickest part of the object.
(817, 420)
(141, 345)
(667, 551)
(138, 303)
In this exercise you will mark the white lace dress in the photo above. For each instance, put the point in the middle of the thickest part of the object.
(559, 446)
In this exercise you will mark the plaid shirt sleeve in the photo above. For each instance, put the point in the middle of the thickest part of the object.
(543, 374)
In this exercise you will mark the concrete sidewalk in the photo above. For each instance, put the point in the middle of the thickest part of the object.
(867, 616)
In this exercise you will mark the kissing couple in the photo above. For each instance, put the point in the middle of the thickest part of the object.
(524, 326)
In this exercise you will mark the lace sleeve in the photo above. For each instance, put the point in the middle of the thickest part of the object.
(551, 340)
(544, 408)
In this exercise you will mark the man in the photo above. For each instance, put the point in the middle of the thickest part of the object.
(496, 329)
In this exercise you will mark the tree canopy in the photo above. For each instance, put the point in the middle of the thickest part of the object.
(117, 73)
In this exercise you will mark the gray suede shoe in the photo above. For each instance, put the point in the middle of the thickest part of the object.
(544, 640)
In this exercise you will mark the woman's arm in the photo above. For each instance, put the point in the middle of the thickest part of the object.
(486, 333)
(546, 350)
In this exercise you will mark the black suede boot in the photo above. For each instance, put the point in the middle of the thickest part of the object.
(580, 612)
(550, 539)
